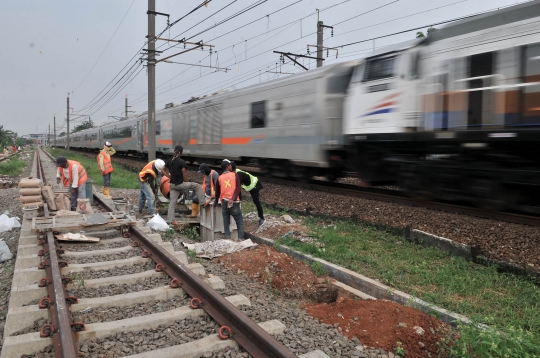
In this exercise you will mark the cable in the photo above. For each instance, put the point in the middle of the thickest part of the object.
(367, 12)
(102, 52)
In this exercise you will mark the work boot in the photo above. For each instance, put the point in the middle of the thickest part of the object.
(107, 192)
(194, 210)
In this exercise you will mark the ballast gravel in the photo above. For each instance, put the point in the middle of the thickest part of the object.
(103, 258)
(114, 289)
(89, 315)
(102, 245)
(117, 271)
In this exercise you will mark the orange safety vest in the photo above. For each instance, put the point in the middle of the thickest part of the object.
(147, 170)
(106, 162)
(227, 184)
(165, 186)
(81, 171)
(212, 186)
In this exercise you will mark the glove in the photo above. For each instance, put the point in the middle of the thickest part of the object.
(58, 180)
(73, 190)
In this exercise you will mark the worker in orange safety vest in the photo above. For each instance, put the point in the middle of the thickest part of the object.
(147, 182)
(105, 167)
(228, 194)
(73, 175)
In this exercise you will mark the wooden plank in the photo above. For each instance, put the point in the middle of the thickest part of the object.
(87, 238)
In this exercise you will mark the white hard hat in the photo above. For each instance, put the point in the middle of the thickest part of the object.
(159, 164)
(108, 144)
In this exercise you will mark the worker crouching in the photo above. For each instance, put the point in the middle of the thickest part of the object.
(148, 184)
(105, 167)
(73, 175)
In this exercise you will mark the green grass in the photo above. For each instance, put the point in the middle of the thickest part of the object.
(120, 177)
(12, 166)
(508, 304)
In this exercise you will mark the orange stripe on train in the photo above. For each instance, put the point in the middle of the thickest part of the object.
(239, 140)
(165, 141)
(193, 141)
(121, 141)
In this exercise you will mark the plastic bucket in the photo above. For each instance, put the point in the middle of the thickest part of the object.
(89, 193)
(30, 212)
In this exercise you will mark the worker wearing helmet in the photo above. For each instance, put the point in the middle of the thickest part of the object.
(175, 169)
(105, 167)
(148, 184)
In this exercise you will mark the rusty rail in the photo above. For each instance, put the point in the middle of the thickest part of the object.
(60, 329)
(233, 322)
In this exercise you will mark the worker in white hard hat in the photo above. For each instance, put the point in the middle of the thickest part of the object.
(105, 167)
(148, 184)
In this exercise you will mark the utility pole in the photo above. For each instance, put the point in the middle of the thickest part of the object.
(49, 136)
(126, 108)
(319, 43)
(67, 143)
(151, 80)
(54, 131)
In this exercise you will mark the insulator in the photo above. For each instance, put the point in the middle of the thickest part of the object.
(332, 33)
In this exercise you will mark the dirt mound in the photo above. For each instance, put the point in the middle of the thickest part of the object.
(380, 323)
(291, 277)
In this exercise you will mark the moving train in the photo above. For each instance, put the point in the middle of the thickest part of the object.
(454, 116)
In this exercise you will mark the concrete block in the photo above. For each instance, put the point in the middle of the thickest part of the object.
(216, 282)
(455, 248)
(207, 344)
(27, 276)
(182, 257)
(348, 291)
(104, 265)
(119, 280)
(155, 237)
(16, 346)
(22, 317)
(315, 354)
(151, 321)
(126, 299)
(27, 250)
(28, 239)
(30, 261)
(196, 268)
(24, 294)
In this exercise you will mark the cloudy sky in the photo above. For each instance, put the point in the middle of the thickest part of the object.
(90, 49)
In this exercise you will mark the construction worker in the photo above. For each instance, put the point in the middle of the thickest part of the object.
(228, 194)
(209, 183)
(105, 167)
(251, 184)
(73, 175)
(175, 169)
(147, 182)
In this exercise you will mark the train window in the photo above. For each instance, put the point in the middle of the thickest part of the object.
(123, 132)
(415, 65)
(258, 114)
(339, 84)
(158, 127)
(379, 68)
(358, 73)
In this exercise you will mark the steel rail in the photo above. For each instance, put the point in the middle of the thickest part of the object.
(64, 341)
(9, 156)
(249, 335)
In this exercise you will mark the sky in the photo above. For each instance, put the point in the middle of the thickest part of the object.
(91, 50)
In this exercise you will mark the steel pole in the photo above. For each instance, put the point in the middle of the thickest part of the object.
(54, 131)
(151, 80)
(319, 43)
(67, 142)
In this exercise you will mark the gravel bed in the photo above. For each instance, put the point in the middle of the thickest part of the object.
(123, 344)
(9, 200)
(114, 289)
(117, 271)
(104, 258)
(47, 352)
(117, 313)
(35, 327)
(102, 245)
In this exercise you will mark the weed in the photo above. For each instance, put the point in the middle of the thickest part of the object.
(78, 278)
(169, 232)
(191, 254)
(191, 232)
(318, 268)
(399, 349)
(12, 166)
(277, 246)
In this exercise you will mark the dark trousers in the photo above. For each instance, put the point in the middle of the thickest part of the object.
(255, 196)
(236, 213)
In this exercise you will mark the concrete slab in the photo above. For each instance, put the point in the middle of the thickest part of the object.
(21, 317)
(27, 276)
(116, 250)
(15, 347)
(30, 261)
(216, 282)
(26, 250)
(348, 291)
(208, 344)
(315, 354)
(23, 294)
(28, 239)
(98, 330)
(155, 237)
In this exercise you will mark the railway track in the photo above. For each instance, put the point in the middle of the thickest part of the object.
(63, 297)
(379, 194)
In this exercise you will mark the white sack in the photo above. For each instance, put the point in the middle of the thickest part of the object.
(157, 223)
(7, 223)
(5, 254)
